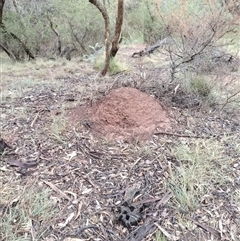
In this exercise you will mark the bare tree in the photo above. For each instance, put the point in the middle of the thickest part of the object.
(194, 43)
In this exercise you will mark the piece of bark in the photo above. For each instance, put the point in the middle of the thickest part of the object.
(3, 145)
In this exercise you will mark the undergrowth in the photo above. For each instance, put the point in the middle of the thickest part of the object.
(200, 166)
(27, 212)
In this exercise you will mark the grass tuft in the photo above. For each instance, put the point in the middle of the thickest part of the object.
(26, 214)
(160, 237)
(115, 65)
(200, 166)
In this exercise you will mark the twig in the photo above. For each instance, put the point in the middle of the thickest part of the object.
(229, 98)
(35, 118)
(181, 135)
(205, 227)
(84, 228)
(53, 187)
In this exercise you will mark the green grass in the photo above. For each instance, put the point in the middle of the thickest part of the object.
(160, 237)
(200, 166)
(28, 211)
(116, 66)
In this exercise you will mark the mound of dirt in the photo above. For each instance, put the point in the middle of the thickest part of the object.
(123, 114)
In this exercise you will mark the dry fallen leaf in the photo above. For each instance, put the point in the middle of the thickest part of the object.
(53, 187)
(68, 220)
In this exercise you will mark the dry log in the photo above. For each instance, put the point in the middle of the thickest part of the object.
(149, 50)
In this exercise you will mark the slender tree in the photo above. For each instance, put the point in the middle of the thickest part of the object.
(118, 28)
(1, 11)
(110, 51)
(104, 13)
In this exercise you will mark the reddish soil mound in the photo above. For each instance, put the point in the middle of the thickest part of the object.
(123, 114)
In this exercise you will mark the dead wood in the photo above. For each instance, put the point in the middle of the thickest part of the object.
(141, 233)
(8, 52)
(150, 50)
(205, 227)
(18, 163)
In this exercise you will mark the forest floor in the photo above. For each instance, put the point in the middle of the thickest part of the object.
(130, 156)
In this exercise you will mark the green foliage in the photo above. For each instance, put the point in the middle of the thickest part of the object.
(77, 28)
(201, 86)
(204, 88)
(80, 24)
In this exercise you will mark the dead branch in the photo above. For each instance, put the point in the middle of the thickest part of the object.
(192, 136)
(76, 37)
(26, 49)
(230, 99)
(206, 227)
(8, 52)
(150, 50)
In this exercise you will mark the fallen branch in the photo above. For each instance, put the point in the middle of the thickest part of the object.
(190, 136)
(206, 228)
(149, 50)
(181, 135)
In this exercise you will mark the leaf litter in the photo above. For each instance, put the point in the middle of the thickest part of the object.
(90, 176)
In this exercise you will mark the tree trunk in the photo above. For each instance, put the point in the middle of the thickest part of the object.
(59, 47)
(118, 28)
(104, 13)
(1, 10)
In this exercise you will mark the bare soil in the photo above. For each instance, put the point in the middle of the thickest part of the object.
(125, 113)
